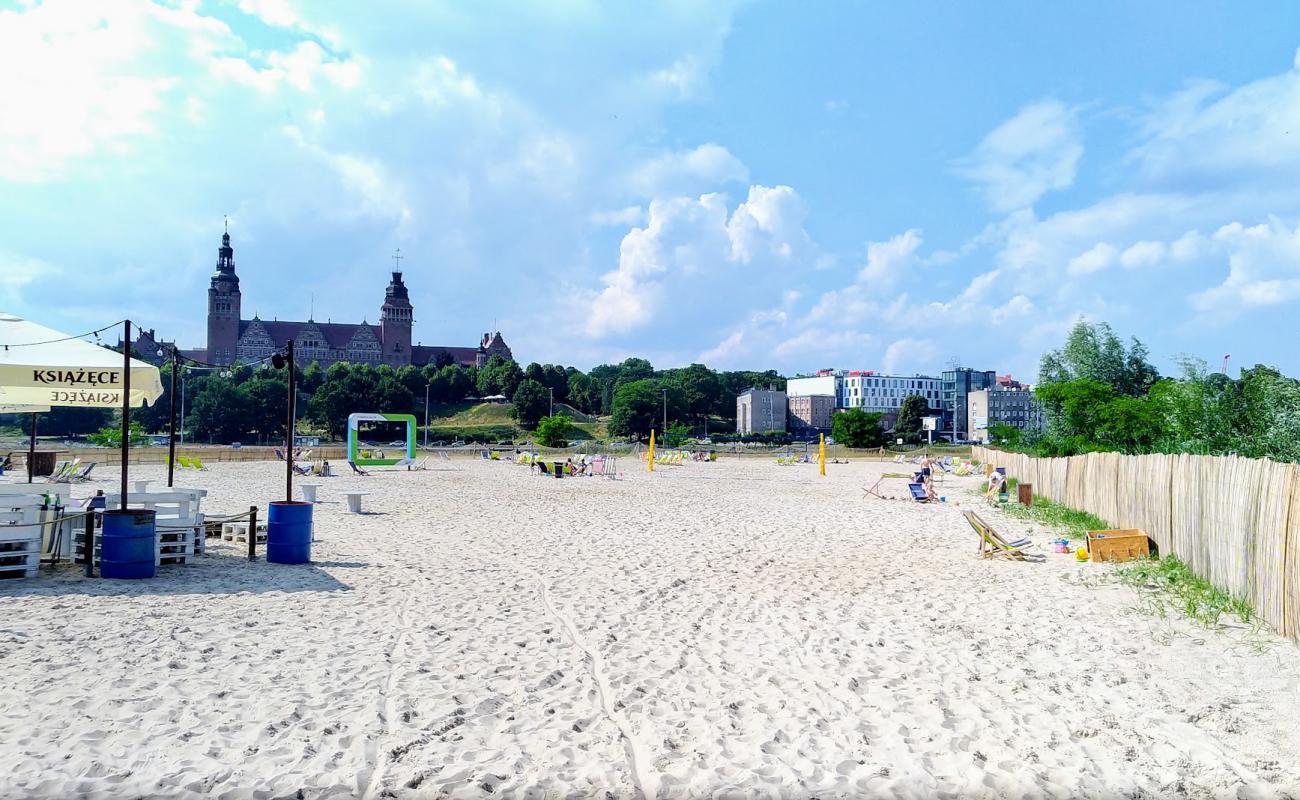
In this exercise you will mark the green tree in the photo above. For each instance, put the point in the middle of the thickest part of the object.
(1007, 436)
(553, 431)
(391, 397)
(268, 407)
(312, 378)
(635, 409)
(858, 428)
(530, 403)
(910, 412)
(111, 436)
(220, 412)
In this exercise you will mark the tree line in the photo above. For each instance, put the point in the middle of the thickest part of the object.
(250, 403)
(1100, 394)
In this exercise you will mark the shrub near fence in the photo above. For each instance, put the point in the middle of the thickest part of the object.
(1234, 521)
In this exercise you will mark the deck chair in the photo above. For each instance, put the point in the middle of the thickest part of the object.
(993, 543)
(919, 494)
(279, 454)
(357, 470)
(198, 464)
(185, 462)
(542, 466)
(68, 472)
(82, 475)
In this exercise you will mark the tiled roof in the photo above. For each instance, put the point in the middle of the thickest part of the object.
(428, 354)
(337, 334)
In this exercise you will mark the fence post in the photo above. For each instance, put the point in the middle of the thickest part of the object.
(252, 533)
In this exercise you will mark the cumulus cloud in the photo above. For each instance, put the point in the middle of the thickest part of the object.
(1143, 254)
(1263, 268)
(888, 260)
(694, 246)
(908, 356)
(1094, 259)
(1029, 155)
(687, 171)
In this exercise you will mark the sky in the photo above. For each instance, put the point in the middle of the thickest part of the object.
(889, 186)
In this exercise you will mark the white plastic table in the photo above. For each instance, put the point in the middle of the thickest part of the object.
(142, 487)
(354, 501)
(309, 491)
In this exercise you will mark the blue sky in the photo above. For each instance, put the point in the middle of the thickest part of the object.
(888, 186)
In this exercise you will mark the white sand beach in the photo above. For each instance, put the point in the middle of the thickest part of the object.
(735, 629)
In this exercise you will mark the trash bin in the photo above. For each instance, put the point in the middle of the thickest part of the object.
(128, 546)
(558, 468)
(288, 532)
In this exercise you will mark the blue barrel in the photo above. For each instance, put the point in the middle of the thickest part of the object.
(128, 544)
(288, 533)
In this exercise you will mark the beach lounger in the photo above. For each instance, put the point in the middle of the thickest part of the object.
(542, 466)
(83, 474)
(199, 464)
(993, 543)
(918, 492)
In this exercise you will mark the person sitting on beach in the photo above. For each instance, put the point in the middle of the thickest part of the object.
(996, 482)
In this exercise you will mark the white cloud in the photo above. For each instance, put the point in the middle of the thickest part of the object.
(1208, 136)
(1143, 254)
(1094, 259)
(886, 261)
(1263, 268)
(687, 171)
(691, 248)
(1034, 152)
(908, 356)
(628, 215)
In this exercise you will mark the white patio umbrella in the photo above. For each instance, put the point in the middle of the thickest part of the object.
(40, 366)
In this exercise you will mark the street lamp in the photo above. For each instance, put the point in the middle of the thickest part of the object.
(426, 415)
(551, 393)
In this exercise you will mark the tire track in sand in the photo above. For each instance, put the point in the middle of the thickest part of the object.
(375, 752)
(647, 782)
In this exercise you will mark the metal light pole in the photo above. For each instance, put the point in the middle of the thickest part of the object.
(126, 410)
(665, 391)
(288, 434)
(551, 392)
(171, 423)
(426, 416)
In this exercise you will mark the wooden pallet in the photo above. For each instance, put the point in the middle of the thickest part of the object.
(20, 558)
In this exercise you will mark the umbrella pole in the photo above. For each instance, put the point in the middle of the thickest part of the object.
(31, 451)
(171, 425)
(126, 404)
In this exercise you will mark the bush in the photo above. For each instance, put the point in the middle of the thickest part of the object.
(554, 431)
(111, 436)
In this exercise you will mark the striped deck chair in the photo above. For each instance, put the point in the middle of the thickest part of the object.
(993, 543)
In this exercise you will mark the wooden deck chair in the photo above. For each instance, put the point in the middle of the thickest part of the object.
(993, 543)
(83, 474)
(919, 494)
(198, 464)
(543, 467)
(68, 472)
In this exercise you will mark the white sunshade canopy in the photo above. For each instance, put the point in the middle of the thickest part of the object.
(40, 366)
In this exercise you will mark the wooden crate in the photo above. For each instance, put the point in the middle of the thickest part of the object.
(1120, 544)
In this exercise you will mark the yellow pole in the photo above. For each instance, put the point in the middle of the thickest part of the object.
(650, 460)
(821, 453)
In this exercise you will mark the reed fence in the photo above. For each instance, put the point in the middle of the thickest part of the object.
(1234, 521)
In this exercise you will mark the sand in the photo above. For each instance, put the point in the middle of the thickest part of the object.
(713, 630)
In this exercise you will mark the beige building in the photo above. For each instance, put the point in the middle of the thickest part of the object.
(811, 412)
(760, 411)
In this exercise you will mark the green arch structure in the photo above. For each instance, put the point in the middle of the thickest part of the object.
(369, 458)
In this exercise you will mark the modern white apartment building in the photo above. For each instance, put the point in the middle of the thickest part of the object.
(867, 390)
